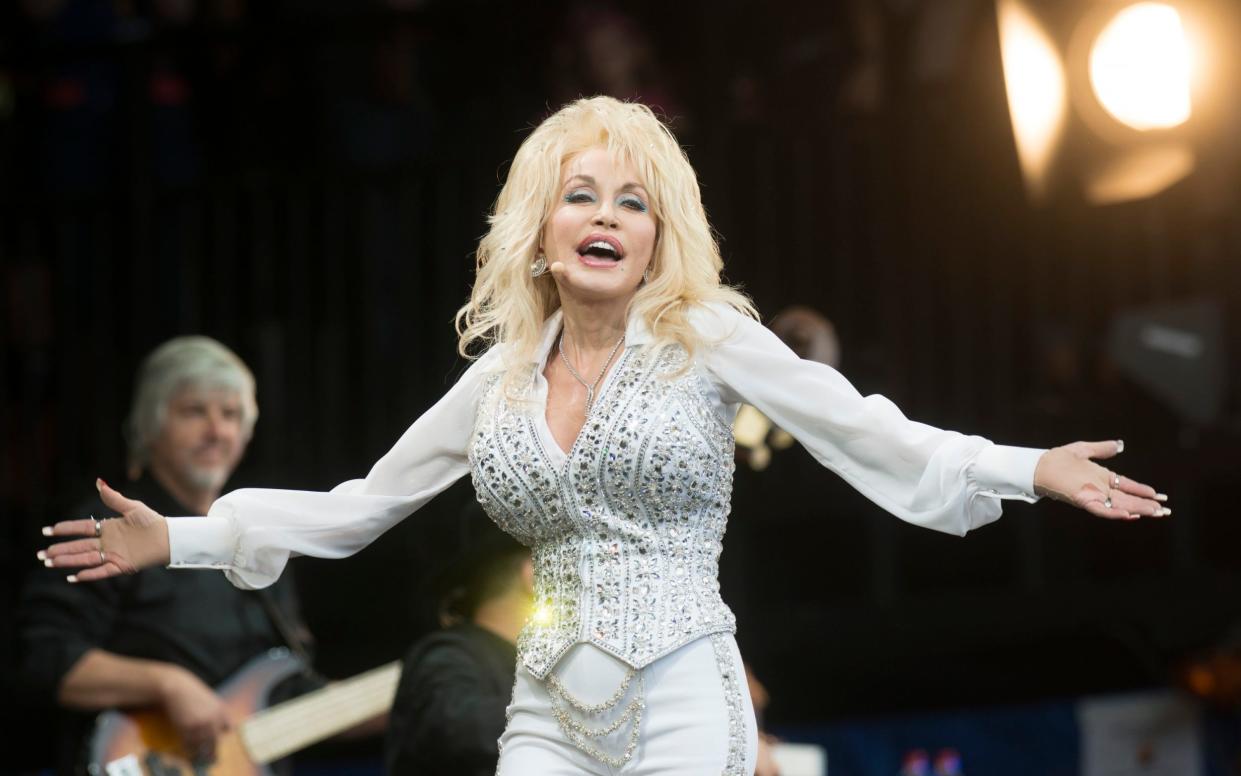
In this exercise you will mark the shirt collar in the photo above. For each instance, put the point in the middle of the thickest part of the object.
(636, 333)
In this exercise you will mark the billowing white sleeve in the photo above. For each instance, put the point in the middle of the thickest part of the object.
(924, 475)
(251, 533)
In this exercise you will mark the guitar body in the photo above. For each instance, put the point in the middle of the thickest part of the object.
(144, 743)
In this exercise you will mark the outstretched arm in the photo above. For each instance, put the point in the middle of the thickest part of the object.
(251, 533)
(927, 476)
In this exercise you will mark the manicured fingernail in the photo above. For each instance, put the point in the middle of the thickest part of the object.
(99, 483)
(47, 530)
(41, 554)
(1120, 445)
(72, 579)
(1134, 515)
(1165, 511)
(48, 562)
(1161, 496)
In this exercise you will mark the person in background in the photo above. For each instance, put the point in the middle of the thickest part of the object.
(158, 638)
(455, 685)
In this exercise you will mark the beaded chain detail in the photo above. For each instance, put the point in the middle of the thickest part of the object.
(582, 736)
(735, 764)
(553, 684)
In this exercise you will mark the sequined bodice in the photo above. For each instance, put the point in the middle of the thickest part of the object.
(626, 533)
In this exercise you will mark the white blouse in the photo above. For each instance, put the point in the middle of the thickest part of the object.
(939, 479)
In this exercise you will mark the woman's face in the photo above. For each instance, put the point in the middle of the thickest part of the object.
(601, 229)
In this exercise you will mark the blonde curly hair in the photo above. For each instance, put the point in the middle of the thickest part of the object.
(508, 306)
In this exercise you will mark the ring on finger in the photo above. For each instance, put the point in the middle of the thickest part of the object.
(98, 528)
(1107, 502)
(102, 558)
(1115, 480)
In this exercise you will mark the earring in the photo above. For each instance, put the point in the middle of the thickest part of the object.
(538, 266)
(646, 274)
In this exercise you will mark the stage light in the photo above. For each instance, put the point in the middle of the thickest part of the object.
(1140, 67)
(1035, 79)
(1106, 97)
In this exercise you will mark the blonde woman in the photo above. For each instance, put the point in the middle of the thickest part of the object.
(595, 425)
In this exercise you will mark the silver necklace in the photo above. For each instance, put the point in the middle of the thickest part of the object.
(590, 387)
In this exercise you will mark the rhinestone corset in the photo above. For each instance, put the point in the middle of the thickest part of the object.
(626, 535)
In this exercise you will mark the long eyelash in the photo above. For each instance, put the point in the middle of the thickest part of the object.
(578, 196)
(635, 203)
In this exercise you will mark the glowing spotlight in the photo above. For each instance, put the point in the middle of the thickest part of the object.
(1140, 67)
(542, 614)
(1035, 80)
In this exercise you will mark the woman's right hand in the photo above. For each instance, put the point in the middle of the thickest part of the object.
(136, 540)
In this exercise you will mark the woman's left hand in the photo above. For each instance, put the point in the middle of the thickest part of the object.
(1068, 474)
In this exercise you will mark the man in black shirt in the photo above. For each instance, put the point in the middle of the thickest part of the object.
(456, 684)
(160, 638)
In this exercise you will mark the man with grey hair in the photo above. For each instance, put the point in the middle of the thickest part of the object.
(160, 638)
(193, 414)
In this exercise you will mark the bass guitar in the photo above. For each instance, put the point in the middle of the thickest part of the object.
(144, 742)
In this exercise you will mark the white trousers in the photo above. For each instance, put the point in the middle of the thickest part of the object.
(696, 716)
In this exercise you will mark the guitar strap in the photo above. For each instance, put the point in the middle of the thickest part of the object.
(291, 634)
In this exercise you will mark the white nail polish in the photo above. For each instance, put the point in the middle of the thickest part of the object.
(1120, 445)
(1166, 511)
(47, 530)
(72, 579)
(1161, 496)
(41, 555)
(48, 562)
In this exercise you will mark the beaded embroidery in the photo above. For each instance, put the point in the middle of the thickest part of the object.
(626, 534)
(735, 764)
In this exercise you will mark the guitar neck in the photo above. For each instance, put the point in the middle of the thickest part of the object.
(308, 719)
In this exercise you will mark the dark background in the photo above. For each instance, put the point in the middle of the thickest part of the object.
(306, 181)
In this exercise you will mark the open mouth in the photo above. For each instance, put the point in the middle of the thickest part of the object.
(600, 251)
